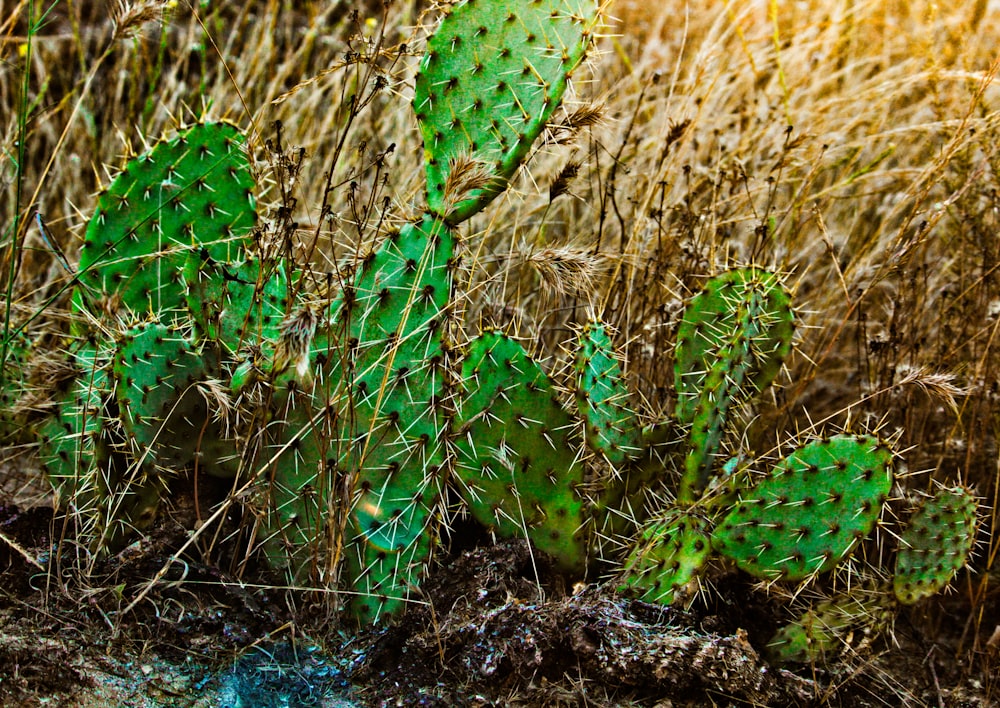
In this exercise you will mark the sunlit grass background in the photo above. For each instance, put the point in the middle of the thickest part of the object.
(853, 144)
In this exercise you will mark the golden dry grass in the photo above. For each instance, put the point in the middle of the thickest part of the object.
(850, 143)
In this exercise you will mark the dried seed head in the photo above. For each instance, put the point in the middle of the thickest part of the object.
(566, 270)
(292, 349)
(586, 116)
(217, 400)
(467, 174)
(935, 384)
(129, 17)
(560, 185)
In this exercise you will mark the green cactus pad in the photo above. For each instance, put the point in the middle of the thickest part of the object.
(194, 191)
(14, 386)
(163, 413)
(731, 343)
(395, 420)
(492, 76)
(71, 439)
(668, 558)
(825, 631)
(81, 457)
(718, 314)
(811, 511)
(610, 427)
(935, 544)
(298, 480)
(516, 464)
(235, 304)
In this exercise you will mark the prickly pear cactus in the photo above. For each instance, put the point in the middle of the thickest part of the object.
(731, 343)
(826, 630)
(235, 304)
(515, 460)
(81, 454)
(396, 413)
(70, 441)
(14, 387)
(811, 511)
(299, 478)
(935, 544)
(191, 192)
(492, 77)
(610, 426)
(664, 565)
(159, 373)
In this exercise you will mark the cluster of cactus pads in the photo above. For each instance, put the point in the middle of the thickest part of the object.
(354, 414)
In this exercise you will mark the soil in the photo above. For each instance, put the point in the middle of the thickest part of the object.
(495, 627)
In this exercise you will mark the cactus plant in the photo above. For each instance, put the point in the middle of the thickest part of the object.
(167, 239)
(71, 438)
(610, 427)
(193, 191)
(824, 629)
(731, 343)
(392, 425)
(932, 548)
(361, 412)
(516, 465)
(801, 519)
(190, 193)
(668, 558)
(935, 544)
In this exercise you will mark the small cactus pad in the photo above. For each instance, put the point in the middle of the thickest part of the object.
(811, 511)
(71, 439)
(516, 464)
(935, 544)
(14, 386)
(832, 626)
(298, 480)
(193, 191)
(665, 563)
(730, 345)
(610, 427)
(492, 76)
(235, 304)
(717, 315)
(81, 456)
(163, 413)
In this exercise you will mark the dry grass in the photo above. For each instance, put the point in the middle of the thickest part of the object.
(850, 143)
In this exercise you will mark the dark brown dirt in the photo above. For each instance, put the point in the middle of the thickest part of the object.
(496, 628)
